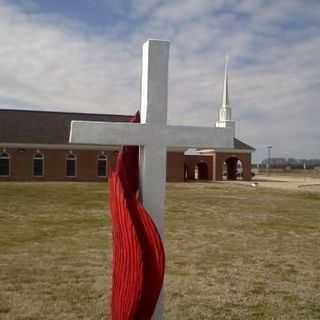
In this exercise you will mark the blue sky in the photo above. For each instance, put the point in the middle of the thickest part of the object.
(85, 56)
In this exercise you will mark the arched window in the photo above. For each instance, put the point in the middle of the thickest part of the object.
(102, 166)
(38, 165)
(71, 165)
(4, 164)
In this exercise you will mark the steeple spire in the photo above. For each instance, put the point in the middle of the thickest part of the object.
(225, 113)
(225, 95)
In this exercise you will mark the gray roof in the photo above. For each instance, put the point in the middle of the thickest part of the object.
(44, 127)
(238, 144)
(51, 127)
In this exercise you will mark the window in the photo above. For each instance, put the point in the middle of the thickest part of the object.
(102, 166)
(4, 164)
(71, 165)
(38, 165)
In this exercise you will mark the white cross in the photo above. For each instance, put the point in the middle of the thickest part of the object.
(153, 135)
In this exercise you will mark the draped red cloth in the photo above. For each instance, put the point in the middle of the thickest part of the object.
(138, 253)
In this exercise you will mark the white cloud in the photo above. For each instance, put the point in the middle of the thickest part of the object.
(47, 61)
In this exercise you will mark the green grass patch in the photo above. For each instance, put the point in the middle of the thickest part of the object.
(233, 252)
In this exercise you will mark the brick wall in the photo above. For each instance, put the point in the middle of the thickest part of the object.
(175, 166)
(21, 165)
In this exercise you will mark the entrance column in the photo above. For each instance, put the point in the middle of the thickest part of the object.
(246, 167)
(217, 167)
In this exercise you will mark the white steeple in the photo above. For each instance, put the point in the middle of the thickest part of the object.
(225, 115)
(225, 94)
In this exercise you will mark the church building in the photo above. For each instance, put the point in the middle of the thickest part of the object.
(34, 147)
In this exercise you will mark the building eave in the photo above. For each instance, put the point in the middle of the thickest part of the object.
(211, 151)
(49, 146)
(56, 146)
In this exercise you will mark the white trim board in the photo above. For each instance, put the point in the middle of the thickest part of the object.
(72, 146)
(58, 146)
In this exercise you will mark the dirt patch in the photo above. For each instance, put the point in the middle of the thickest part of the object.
(281, 182)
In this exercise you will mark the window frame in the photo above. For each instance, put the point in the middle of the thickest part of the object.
(102, 157)
(7, 157)
(73, 157)
(43, 164)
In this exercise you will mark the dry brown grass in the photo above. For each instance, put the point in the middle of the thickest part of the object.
(295, 173)
(233, 252)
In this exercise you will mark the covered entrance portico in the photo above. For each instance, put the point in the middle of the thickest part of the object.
(197, 167)
(232, 169)
(231, 164)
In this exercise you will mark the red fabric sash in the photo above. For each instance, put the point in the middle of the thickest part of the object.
(138, 253)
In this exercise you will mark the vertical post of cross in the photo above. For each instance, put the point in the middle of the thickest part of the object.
(154, 106)
(154, 83)
(153, 135)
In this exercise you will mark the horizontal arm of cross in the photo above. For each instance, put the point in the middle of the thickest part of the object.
(106, 133)
(198, 137)
(112, 133)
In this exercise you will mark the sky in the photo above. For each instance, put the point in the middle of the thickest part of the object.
(85, 56)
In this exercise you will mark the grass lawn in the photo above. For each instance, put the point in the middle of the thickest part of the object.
(233, 252)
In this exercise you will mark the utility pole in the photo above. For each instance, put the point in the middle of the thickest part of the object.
(269, 159)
